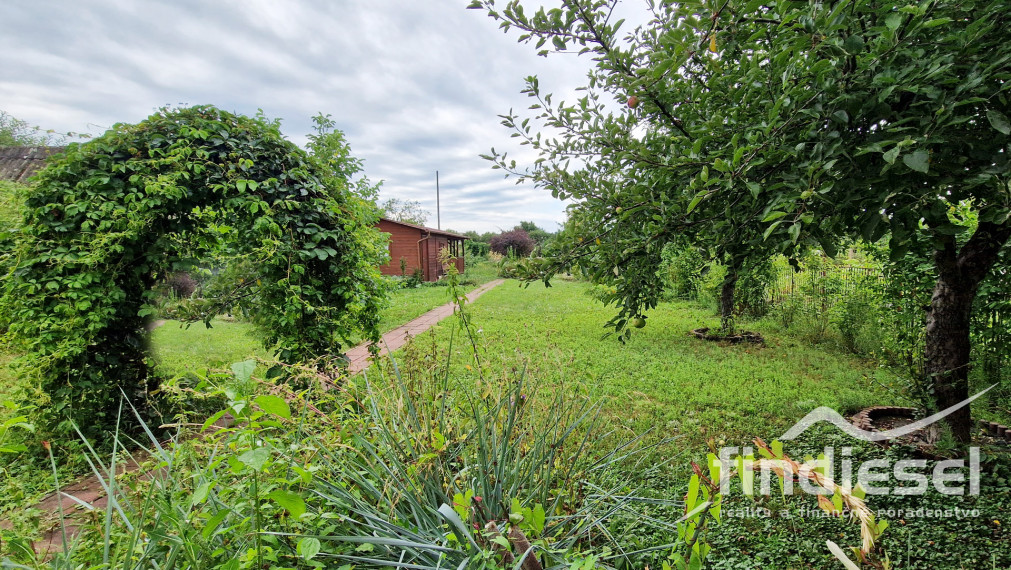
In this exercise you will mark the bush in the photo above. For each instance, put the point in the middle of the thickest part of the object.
(751, 293)
(477, 248)
(514, 243)
(110, 216)
(682, 267)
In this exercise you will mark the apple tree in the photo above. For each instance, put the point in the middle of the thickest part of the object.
(818, 120)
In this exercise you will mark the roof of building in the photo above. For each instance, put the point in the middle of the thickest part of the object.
(18, 163)
(426, 229)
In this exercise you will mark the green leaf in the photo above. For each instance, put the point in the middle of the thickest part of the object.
(936, 22)
(200, 495)
(772, 227)
(918, 160)
(999, 121)
(893, 154)
(893, 21)
(695, 201)
(255, 458)
(214, 522)
(773, 216)
(693, 492)
(244, 370)
(273, 405)
(291, 502)
(308, 548)
(794, 231)
(854, 44)
(539, 518)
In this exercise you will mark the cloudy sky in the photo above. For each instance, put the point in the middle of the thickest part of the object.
(417, 85)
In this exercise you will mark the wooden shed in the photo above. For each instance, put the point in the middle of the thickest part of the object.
(419, 247)
(18, 163)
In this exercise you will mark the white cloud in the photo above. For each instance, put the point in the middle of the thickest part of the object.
(416, 86)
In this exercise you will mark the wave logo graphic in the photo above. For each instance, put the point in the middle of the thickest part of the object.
(825, 414)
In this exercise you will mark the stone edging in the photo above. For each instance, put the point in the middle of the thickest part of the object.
(865, 420)
(743, 336)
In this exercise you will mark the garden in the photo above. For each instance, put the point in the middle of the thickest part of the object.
(770, 334)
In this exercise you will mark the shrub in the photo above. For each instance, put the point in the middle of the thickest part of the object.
(109, 217)
(181, 284)
(477, 248)
(682, 267)
(514, 243)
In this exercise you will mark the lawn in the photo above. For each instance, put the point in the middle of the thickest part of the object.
(662, 379)
(691, 391)
(178, 350)
(681, 391)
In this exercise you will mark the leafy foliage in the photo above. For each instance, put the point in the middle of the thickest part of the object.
(18, 132)
(792, 116)
(515, 243)
(409, 211)
(112, 216)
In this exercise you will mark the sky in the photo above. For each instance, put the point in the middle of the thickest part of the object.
(416, 85)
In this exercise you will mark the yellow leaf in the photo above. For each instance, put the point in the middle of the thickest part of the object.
(826, 505)
(712, 43)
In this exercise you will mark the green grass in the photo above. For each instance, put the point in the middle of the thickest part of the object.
(408, 304)
(663, 379)
(179, 350)
(678, 386)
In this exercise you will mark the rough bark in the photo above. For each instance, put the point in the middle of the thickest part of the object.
(727, 292)
(947, 347)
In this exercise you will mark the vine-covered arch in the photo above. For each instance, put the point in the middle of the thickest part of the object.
(111, 216)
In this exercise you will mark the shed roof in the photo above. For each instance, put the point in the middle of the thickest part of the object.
(18, 163)
(426, 229)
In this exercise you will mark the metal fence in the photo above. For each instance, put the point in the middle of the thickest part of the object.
(901, 308)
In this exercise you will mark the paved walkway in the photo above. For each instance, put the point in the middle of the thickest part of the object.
(91, 491)
(398, 337)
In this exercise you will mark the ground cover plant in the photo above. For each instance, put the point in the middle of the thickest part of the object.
(669, 384)
(292, 486)
(775, 127)
(181, 353)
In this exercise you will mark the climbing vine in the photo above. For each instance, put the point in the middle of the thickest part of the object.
(112, 216)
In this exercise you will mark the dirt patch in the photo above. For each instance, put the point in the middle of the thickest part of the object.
(743, 336)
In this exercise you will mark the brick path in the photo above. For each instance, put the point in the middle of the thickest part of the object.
(396, 338)
(90, 489)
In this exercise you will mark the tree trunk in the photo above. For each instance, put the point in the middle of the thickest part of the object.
(727, 301)
(947, 348)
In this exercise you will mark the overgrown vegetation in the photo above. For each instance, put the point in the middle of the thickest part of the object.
(110, 217)
(754, 129)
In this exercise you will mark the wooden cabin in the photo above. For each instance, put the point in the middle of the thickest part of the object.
(419, 247)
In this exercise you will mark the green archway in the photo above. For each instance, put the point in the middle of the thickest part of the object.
(111, 216)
